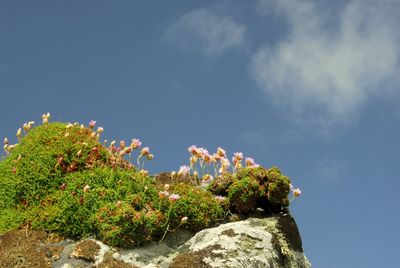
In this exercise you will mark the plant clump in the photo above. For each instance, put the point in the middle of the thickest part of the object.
(60, 178)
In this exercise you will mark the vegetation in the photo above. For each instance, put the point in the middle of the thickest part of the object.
(60, 178)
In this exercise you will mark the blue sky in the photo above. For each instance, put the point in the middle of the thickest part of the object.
(309, 86)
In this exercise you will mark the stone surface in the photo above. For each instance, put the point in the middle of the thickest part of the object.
(272, 242)
(269, 242)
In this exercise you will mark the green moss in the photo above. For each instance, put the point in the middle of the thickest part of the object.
(243, 194)
(220, 185)
(278, 187)
(61, 179)
(200, 206)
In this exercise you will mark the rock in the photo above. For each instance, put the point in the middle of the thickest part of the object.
(268, 242)
(271, 242)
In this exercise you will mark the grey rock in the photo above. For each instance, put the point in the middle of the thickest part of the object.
(271, 242)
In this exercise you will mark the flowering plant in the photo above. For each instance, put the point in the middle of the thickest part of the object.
(59, 177)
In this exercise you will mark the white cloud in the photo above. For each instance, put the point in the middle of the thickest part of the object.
(203, 30)
(324, 75)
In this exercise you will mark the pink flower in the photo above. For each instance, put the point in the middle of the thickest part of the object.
(174, 197)
(183, 171)
(92, 124)
(135, 144)
(206, 156)
(122, 144)
(250, 162)
(221, 152)
(216, 157)
(238, 156)
(201, 152)
(193, 149)
(237, 159)
(145, 151)
(163, 194)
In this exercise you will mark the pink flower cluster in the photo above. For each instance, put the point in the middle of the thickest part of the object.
(201, 161)
(171, 197)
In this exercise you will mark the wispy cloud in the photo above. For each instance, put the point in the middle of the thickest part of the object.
(329, 171)
(324, 75)
(205, 31)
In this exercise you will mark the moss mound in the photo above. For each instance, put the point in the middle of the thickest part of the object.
(253, 187)
(60, 178)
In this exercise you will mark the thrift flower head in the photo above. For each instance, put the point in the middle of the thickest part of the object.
(193, 159)
(92, 124)
(100, 130)
(297, 192)
(28, 126)
(174, 197)
(207, 178)
(135, 144)
(19, 132)
(184, 219)
(143, 172)
(238, 156)
(163, 194)
(216, 157)
(221, 152)
(5, 141)
(237, 159)
(201, 152)
(122, 144)
(166, 187)
(193, 150)
(183, 171)
(250, 162)
(145, 151)
(86, 188)
(206, 156)
(45, 118)
(150, 156)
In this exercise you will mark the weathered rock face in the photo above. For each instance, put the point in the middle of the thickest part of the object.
(272, 242)
(269, 242)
